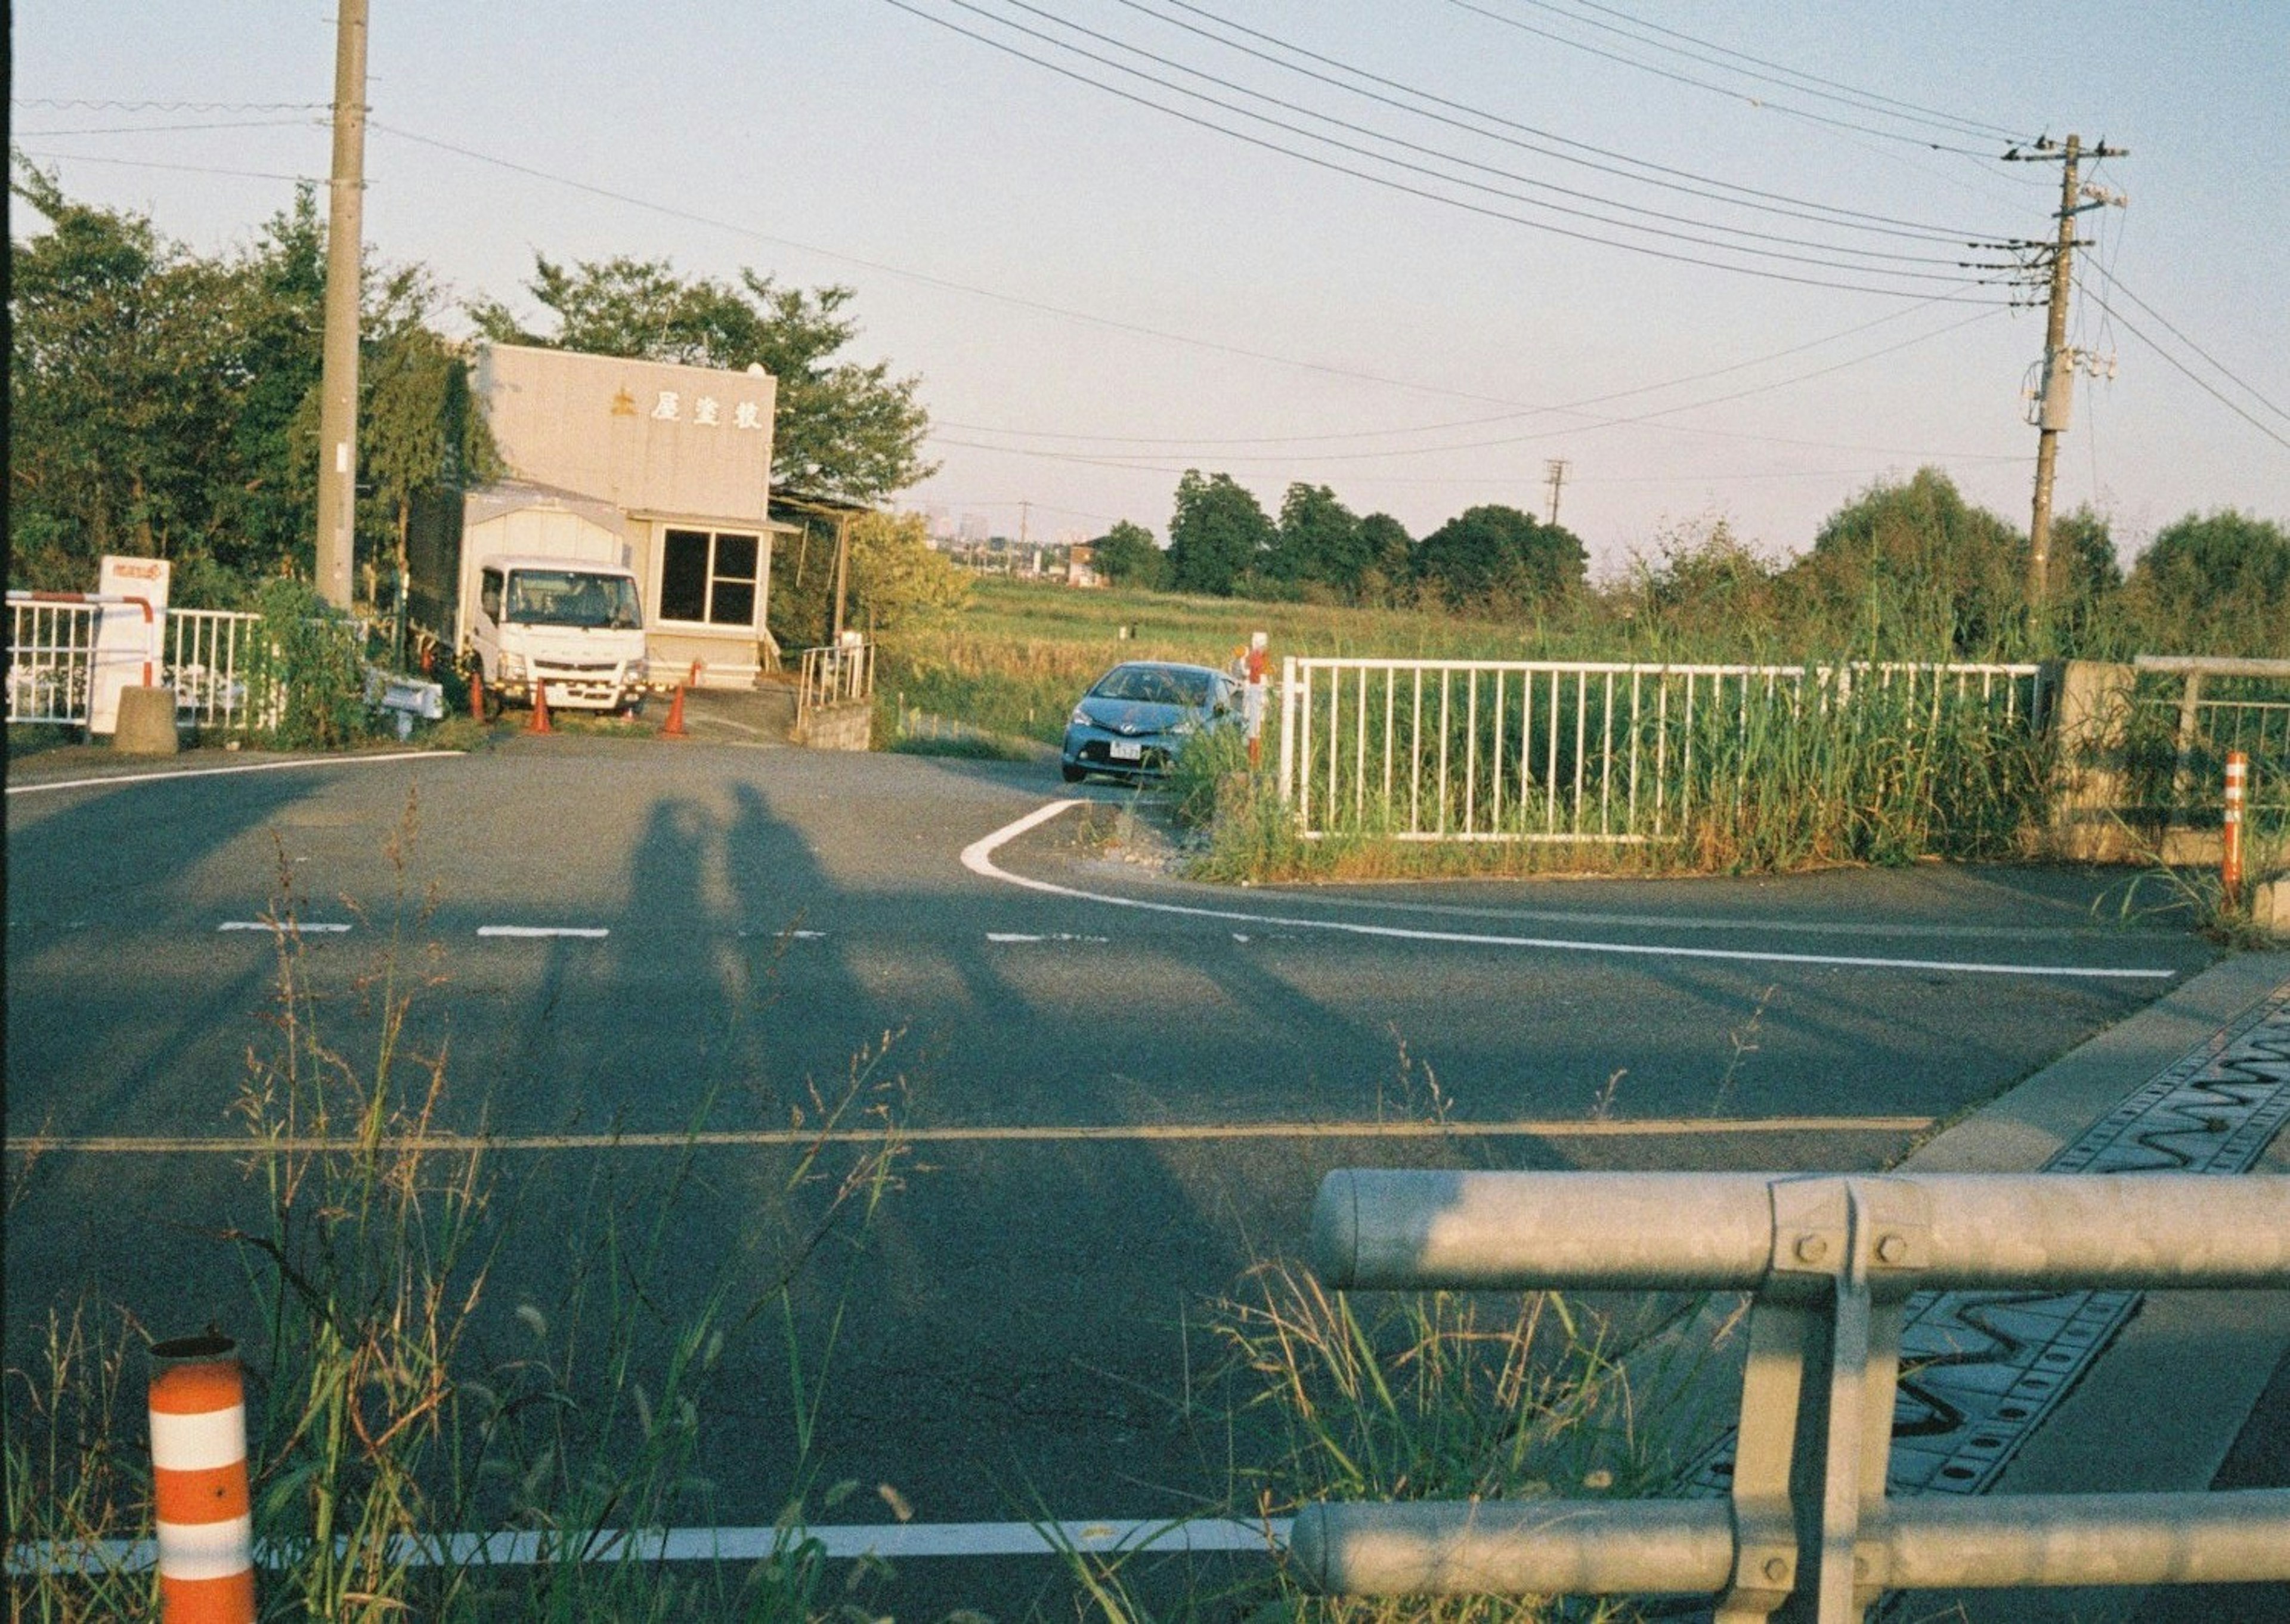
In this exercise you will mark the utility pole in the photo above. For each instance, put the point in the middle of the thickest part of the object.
(337, 384)
(1555, 470)
(2057, 398)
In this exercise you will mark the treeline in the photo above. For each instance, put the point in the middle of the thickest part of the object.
(1907, 566)
(164, 403)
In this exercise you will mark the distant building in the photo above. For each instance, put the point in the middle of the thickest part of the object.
(665, 467)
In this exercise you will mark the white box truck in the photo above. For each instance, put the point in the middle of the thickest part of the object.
(574, 627)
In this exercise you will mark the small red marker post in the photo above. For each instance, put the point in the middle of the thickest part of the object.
(2238, 774)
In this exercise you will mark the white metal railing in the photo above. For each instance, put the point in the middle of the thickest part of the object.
(1575, 750)
(208, 651)
(1830, 1263)
(834, 673)
(213, 659)
(51, 659)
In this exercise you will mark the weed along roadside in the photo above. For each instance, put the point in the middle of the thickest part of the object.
(430, 1431)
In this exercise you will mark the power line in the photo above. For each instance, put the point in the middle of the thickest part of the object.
(1849, 95)
(1642, 419)
(106, 105)
(2116, 282)
(2199, 381)
(1477, 422)
(1404, 145)
(1774, 202)
(1664, 73)
(1964, 284)
(236, 124)
(189, 169)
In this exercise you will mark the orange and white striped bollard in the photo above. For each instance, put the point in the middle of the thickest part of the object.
(2238, 774)
(198, 1481)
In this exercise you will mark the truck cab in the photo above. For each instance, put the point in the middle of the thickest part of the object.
(573, 625)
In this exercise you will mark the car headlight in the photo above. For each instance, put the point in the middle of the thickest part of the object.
(638, 670)
(1184, 727)
(1080, 718)
(512, 668)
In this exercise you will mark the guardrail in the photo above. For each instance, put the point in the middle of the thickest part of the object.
(834, 673)
(2211, 707)
(50, 658)
(1829, 1262)
(1579, 750)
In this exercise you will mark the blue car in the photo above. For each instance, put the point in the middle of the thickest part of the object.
(1138, 715)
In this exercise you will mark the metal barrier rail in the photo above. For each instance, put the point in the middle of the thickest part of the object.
(1575, 750)
(2222, 705)
(1830, 1262)
(834, 673)
(206, 651)
(51, 659)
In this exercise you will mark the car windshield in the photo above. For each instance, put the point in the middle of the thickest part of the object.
(1154, 685)
(572, 598)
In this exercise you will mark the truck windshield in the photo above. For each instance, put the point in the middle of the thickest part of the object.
(572, 598)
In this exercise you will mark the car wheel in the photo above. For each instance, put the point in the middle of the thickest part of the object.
(1073, 774)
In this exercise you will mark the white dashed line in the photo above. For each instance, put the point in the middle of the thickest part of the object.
(977, 857)
(1007, 936)
(586, 932)
(302, 927)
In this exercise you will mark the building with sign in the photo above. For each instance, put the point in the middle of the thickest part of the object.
(664, 469)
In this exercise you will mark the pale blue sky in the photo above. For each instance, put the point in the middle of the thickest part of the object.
(987, 209)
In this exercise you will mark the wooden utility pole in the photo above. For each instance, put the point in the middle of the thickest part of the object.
(1555, 470)
(2056, 400)
(337, 384)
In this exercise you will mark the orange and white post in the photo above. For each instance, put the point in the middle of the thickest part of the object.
(2238, 774)
(198, 1481)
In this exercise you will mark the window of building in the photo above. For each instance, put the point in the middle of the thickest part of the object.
(710, 577)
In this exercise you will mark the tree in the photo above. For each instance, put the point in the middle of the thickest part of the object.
(1391, 557)
(117, 388)
(2215, 584)
(897, 579)
(1217, 534)
(1502, 558)
(1126, 557)
(1913, 569)
(1319, 541)
(842, 430)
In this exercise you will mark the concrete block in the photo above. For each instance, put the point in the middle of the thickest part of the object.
(146, 723)
(2270, 905)
(848, 726)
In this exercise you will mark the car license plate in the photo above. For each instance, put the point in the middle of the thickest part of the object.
(1126, 750)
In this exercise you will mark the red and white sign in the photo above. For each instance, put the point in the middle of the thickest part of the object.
(127, 637)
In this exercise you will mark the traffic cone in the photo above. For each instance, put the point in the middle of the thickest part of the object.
(477, 695)
(199, 1482)
(675, 728)
(540, 723)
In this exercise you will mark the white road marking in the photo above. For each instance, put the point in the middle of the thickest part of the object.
(257, 767)
(845, 1542)
(977, 857)
(587, 932)
(1051, 936)
(791, 935)
(443, 1144)
(307, 927)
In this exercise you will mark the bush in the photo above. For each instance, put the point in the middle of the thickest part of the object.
(310, 664)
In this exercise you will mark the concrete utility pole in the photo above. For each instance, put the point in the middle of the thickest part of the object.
(1555, 470)
(2057, 399)
(338, 385)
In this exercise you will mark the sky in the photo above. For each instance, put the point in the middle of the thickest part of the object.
(1709, 255)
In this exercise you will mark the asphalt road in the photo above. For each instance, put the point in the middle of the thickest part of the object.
(1127, 1086)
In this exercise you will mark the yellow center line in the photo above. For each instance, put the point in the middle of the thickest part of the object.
(1659, 1127)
